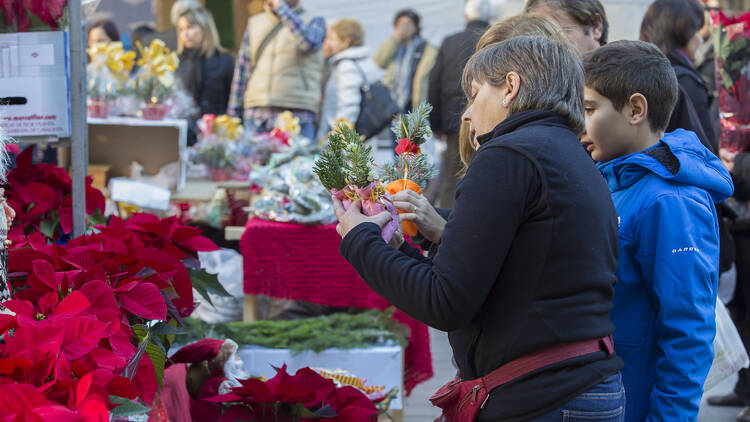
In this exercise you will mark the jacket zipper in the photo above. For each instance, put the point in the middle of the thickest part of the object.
(474, 391)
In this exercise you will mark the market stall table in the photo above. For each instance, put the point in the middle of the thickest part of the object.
(294, 261)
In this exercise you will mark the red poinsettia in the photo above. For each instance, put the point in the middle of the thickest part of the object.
(41, 195)
(306, 394)
(17, 12)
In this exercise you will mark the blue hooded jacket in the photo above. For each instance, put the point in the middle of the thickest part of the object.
(667, 273)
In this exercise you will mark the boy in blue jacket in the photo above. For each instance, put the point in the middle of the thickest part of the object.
(664, 187)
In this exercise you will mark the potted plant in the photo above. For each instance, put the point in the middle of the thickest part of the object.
(155, 78)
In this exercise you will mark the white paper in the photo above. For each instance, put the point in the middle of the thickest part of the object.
(139, 194)
(37, 55)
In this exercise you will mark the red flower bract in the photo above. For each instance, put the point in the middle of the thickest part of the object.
(407, 146)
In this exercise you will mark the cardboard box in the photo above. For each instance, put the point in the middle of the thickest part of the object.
(35, 84)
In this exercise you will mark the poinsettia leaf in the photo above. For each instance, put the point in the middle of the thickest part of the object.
(158, 357)
(82, 388)
(238, 413)
(81, 336)
(172, 310)
(299, 410)
(142, 299)
(162, 328)
(206, 283)
(132, 367)
(73, 303)
(126, 408)
(122, 387)
(47, 227)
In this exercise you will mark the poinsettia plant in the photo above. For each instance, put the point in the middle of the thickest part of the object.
(100, 307)
(42, 196)
(303, 396)
(23, 15)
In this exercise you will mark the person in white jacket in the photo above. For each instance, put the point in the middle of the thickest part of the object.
(349, 65)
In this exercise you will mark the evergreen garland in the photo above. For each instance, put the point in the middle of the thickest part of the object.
(341, 330)
(414, 126)
(330, 166)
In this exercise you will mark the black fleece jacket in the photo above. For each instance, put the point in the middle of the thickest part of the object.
(527, 261)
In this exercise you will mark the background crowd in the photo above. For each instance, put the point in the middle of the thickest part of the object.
(292, 59)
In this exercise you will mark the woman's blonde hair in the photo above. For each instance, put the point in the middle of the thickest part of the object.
(203, 18)
(349, 29)
(528, 24)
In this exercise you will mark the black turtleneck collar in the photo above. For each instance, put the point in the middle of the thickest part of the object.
(517, 120)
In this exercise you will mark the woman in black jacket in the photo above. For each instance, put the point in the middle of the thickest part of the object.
(528, 256)
(205, 67)
(674, 26)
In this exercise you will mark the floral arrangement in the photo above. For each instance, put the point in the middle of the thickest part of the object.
(108, 69)
(107, 73)
(410, 168)
(22, 15)
(302, 396)
(217, 149)
(731, 38)
(42, 196)
(156, 74)
(346, 170)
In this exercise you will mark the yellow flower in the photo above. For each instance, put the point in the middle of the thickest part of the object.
(226, 126)
(288, 123)
(157, 61)
(113, 56)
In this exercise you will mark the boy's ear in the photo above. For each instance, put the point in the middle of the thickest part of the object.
(638, 109)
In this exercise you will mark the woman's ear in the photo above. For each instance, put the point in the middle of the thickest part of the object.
(638, 109)
(598, 29)
(513, 84)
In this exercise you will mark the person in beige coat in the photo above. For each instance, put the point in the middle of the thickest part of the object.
(408, 60)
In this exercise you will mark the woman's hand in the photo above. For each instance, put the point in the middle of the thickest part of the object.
(727, 158)
(351, 218)
(418, 210)
(10, 214)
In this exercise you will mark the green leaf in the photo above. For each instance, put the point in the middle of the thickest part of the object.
(158, 356)
(206, 283)
(132, 366)
(47, 227)
(163, 328)
(126, 408)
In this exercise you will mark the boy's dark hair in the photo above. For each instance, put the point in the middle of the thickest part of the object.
(670, 24)
(582, 11)
(412, 15)
(623, 68)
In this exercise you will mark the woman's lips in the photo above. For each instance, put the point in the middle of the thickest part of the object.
(587, 145)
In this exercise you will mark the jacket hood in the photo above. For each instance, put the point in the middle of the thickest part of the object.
(351, 53)
(680, 157)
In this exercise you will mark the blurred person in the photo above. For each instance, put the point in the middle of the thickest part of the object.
(521, 306)
(347, 57)
(408, 60)
(169, 36)
(446, 97)
(279, 67)
(205, 67)
(102, 31)
(674, 26)
(583, 21)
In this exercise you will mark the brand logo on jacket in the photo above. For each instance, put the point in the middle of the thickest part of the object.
(686, 249)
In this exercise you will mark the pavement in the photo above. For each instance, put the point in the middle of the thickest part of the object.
(418, 408)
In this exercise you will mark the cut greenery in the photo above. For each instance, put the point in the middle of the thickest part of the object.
(341, 330)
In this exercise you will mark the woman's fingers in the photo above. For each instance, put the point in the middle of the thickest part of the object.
(409, 216)
(338, 207)
(404, 206)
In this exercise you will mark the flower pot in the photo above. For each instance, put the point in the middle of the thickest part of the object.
(98, 108)
(219, 174)
(154, 111)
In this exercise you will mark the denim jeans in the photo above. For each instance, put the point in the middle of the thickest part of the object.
(605, 402)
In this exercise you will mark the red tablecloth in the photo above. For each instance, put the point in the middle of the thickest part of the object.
(293, 261)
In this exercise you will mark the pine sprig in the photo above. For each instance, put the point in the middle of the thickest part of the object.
(331, 166)
(414, 126)
(421, 171)
(347, 161)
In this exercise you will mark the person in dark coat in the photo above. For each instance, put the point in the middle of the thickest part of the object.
(206, 69)
(527, 259)
(446, 97)
(674, 26)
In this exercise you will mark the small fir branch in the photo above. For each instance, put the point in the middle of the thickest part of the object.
(330, 165)
(360, 158)
(414, 126)
(421, 171)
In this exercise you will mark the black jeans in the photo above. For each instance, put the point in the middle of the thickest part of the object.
(739, 307)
